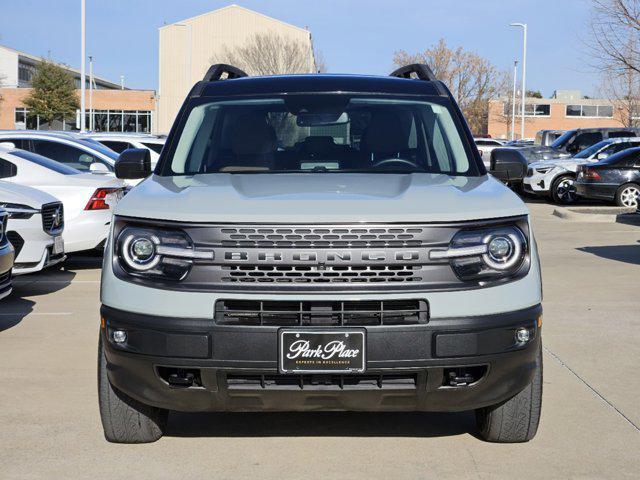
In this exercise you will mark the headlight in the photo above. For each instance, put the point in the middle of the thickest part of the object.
(157, 253)
(18, 211)
(487, 254)
(543, 169)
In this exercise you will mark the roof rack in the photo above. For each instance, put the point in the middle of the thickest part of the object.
(217, 70)
(421, 70)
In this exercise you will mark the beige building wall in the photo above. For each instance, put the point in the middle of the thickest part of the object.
(187, 47)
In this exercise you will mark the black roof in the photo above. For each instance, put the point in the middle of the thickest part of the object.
(318, 83)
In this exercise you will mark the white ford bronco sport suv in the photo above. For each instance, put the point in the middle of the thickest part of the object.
(319, 242)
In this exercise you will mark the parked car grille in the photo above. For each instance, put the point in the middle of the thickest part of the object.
(5, 278)
(16, 240)
(321, 313)
(529, 172)
(321, 382)
(53, 217)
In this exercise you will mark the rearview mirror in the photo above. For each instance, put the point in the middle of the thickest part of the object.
(133, 163)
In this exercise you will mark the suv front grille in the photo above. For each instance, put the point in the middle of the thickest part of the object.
(321, 313)
(53, 217)
(322, 237)
(322, 382)
(326, 274)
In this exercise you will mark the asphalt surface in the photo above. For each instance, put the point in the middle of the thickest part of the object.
(590, 427)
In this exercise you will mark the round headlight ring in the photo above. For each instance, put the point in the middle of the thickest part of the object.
(139, 251)
(504, 250)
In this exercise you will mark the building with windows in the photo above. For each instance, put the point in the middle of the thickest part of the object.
(115, 107)
(188, 47)
(565, 110)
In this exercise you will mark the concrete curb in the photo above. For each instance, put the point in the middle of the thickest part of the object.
(598, 214)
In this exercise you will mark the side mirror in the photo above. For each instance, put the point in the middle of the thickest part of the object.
(133, 163)
(480, 152)
(7, 144)
(602, 156)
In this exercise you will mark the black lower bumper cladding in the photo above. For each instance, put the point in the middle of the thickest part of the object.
(446, 364)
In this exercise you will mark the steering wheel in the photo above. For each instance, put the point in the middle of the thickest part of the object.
(387, 161)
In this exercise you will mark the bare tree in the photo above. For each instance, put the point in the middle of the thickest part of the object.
(472, 79)
(623, 91)
(269, 54)
(614, 35)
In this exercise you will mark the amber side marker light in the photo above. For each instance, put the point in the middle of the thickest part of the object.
(103, 322)
(540, 321)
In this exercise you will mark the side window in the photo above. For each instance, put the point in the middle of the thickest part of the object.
(585, 140)
(117, 147)
(60, 152)
(622, 133)
(618, 147)
(7, 169)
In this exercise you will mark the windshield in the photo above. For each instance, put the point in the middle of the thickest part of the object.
(319, 134)
(45, 162)
(592, 150)
(563, 139)
(156, 147)
(95, 145)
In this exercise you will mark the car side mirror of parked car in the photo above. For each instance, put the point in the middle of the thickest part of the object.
(602, 156)
(133, 163)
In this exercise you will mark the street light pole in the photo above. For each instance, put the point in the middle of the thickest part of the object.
(513, 101)
(91, 93)
(524, 72)
(82, 67)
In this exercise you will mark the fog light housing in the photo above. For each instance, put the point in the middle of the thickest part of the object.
(523, 335)
(119, 336)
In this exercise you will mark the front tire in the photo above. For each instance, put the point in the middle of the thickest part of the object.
(124, 419)
(515, 420)
(627, 195)
(563, 190)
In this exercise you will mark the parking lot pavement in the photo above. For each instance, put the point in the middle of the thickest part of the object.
(50, 427)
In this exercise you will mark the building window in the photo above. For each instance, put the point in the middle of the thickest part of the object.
(591, 111)
(25, 73)
(530, 110)
(135, 121)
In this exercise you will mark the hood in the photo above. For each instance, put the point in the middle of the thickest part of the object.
(561, 162)
(538, 153)
(320, 198)
(23, 195)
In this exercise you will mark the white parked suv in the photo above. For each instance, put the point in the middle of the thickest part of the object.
(88, 199)
(555, 178)
(119, 142)
(36, 222)
(319, 242)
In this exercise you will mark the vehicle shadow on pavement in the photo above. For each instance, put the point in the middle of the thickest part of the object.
(20, 304)
(620, 253)
(320, 424)
(84, 261)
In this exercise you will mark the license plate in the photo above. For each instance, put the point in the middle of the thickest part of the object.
(58, 245)
(326, 351)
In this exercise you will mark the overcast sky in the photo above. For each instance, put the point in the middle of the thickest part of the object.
(355, 36)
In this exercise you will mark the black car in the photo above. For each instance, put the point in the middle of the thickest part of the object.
(510, 164)
(615, 178)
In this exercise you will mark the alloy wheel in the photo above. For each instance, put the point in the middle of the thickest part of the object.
(629, 196)
(566, 191)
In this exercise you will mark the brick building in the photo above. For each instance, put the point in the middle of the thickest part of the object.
(115, 108)
(565, 110)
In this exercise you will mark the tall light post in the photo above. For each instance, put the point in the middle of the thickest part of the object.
(82, 66)
(524, 71)
(186, 25)
(513, 101)
(91, 127)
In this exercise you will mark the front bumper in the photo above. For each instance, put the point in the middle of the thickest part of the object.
(422, 354)
(537, 184)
